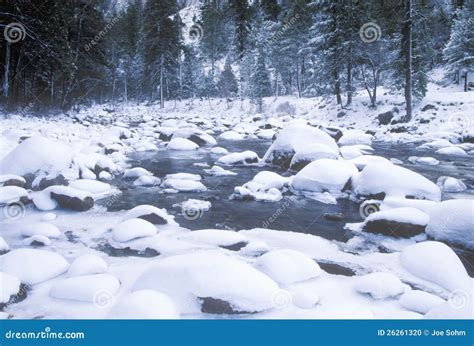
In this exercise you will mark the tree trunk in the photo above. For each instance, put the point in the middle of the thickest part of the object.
(407, 47)
(349, 82)
(337, 87)
(465, 81)
(162, 99)
(6, 81)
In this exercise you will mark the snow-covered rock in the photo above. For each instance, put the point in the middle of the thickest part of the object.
(212, 275)
(87, 264)
(392, 180)
(147, 180)
(195, 135)
(32, 266)
(295, 138)
(144, 304)
(12, 194)
(324, 175)
(450, 184)
(64, 196)
(231, 136)
(420, 301)
(3, 245)
(380, 285)
(151, 214)
(352, 137)
(397, 222)
(182, 144)
(226, 239)
(218, 171)
(37, 239)
(435, 262)
(452, 151)
(36, 154)
(184, 185)
(460, 305)
(132, 229)
(98, 289)
(184, 176)
(40, 228)
(431, 161)
(287, 266)
(92, 186)
(311, 153)
(9, 286)
(194, 208)
(136, 172)
(243, 158)
(12, 180)
(452, 221)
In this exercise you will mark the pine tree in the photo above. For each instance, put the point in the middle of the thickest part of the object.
(459, 52)
(227, 84)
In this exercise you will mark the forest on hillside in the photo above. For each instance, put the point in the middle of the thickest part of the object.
(60, 54)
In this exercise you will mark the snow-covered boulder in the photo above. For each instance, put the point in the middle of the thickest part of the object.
(362, 161)
(391, 180)
(296, 138)
(450, 184)
(288, 266)
(311, 153)
(40, 228)
(13, 194)
(98, 289)
(218, 171)
(219, 151)
(215, 237)
(460, 305)
(86, 265)
(147, 180)
(70, 198)
(4, 247)
(12, 180)
(398, 222)
(195, 281)
(420, 301)
(144, 304)
(195, 135)
(243, 158)
(151, 214)
(182, 144)
(351, 137)
(436, 262)
(184, 176)
(184, 185)
(32, 266)
(37, 240)
(380, 285)
(452, 151)
(9, 286)
(136, 172)
(132, 229)
(36, 154)
(324, 175)
(92, 186)
(264, 186)
(430, 161)
(231, 136)
(452, 221)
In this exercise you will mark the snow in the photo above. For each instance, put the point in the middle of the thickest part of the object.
(423, 160)
(92, 186)
(87, 288)
(453, 221)
(44, 201)
(209, 274)
(11, 194)
(288, 266)
(219, 151)
(136, 172)
(324, 175)
(182, 144)
(450, 184)
(184, 176)
(144, 304)
(215, 237)
(35, 154)
(231, 136)
(349, 152)
(405, 215)
(191, 207)
(459, 306)
(9, 285)
(32, 266)
(312, 152)
(6, 177)
(145, 210)
(4, 245)
(380, 285)
(352, 137)
(218, 171)
(246, 157)
(147, 180)
(184, 185)
(133, 228)
(452, 151)
(420, 301)
(37, 239)
(394, 181)
(87, 264)
(41, 228)
(435, 262)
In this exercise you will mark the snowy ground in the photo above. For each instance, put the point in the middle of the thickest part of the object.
(65, 256)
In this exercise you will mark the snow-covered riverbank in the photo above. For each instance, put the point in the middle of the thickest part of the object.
(66, 256)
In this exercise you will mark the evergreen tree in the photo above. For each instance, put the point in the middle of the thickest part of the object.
(227, 84)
